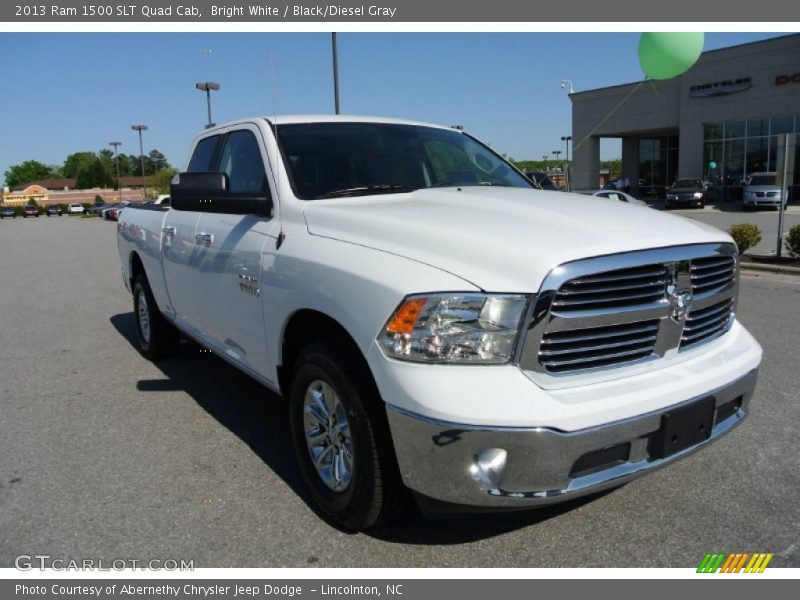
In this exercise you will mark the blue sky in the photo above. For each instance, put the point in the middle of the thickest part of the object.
(65, 93)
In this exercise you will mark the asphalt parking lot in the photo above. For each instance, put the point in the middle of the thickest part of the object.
(106, 455)
(766, 219)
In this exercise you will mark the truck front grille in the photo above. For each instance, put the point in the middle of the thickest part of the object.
(625, 287)
(618, 310)
(705, 324)
(563, 351)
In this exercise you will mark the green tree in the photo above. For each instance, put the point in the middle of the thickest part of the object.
(162, 179)
(92, 174)
(74, 162)
(30, 170)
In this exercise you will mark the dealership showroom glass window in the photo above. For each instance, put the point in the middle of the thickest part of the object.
(740, 148)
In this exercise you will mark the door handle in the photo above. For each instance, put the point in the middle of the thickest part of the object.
(168, 231)
(204, 238)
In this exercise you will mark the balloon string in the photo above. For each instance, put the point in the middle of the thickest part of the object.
(607, 117)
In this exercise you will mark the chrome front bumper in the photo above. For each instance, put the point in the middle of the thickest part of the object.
(514, 467)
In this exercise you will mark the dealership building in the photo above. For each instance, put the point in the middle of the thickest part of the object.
(719, 121)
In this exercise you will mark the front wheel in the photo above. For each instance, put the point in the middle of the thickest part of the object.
(158, 338)
(341, 437)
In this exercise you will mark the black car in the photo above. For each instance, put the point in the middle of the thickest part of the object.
(30, 211)
(7, 211)
(53, 209)
(541, 179)
(686, 193)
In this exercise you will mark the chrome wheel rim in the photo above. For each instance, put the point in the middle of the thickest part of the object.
(144, 318)
(327, 432)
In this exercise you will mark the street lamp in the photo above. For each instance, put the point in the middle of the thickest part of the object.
(564, 83)
(140, 129)
(556, 152)
(566, 139)
(335, 73)
(545, 157)
(116, 160)
(207, 87)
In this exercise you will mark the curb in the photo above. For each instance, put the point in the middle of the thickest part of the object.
(748, 266)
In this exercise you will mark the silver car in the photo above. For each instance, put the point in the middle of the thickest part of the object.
(761, 190)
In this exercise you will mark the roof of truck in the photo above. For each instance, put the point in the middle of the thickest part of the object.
(293, 119)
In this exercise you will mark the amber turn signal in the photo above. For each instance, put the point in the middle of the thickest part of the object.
(406, 316)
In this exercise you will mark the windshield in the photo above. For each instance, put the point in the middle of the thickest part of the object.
(326, 160)
(762, 180)
(687, 183)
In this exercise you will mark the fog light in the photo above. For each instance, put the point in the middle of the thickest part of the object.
(490, 464)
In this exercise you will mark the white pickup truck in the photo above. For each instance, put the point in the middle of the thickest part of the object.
(441, 329)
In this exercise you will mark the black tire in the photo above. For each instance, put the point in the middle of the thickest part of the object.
(375, 493)
(160, 338)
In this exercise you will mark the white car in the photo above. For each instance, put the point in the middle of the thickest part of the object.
(613, 195)
(75, 208)
(436, 324)
(761, 190)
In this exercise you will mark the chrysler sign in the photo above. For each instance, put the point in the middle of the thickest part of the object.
(720, 88)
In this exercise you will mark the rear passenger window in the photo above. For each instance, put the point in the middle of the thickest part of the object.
(241, 160)
(203, 154)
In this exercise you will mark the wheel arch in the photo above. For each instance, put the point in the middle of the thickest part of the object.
(300, 329)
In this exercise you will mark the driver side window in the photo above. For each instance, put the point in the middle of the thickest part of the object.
(241, 160)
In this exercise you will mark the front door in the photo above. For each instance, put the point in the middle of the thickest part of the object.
(228, 266)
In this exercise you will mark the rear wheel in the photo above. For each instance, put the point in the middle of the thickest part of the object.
(157, 337)
(341, 437)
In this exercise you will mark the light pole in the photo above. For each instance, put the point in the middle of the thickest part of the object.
(556, 152)
(566, 139)
(207, 87)
(545, 157)
(335, 73)
(116, 161)
(564, 83)
(140, 128)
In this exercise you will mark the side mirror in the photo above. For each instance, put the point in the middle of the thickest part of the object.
(210, 192)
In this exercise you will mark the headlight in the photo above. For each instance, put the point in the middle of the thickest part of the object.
(454, 328)
(697, 195)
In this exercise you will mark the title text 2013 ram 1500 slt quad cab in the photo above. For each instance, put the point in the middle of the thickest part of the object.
(437, 324)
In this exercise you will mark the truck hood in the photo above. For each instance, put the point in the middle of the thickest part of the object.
(500, 239)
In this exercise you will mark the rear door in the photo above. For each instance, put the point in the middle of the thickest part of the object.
(180, 253)
(228, 255)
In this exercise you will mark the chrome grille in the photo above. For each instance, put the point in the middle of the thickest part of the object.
(712, 274)
(623, 287)
(595, 314)
(597, 346)
(707, 323)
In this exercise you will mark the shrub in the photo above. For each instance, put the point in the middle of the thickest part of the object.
(746, 235)
(793, 241)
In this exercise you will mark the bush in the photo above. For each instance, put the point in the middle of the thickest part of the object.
(793, 241)
(98, 200)
(746, 235)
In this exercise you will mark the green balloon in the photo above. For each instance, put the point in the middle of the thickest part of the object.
(667, 55)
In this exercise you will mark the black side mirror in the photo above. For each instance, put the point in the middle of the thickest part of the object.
(210, 192)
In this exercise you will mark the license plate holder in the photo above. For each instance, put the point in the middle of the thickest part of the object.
(683, 427)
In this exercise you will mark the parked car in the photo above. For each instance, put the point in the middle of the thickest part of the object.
(541, 179)
(75, 209)
(7, 212)
(30, 210)
(105, 211)
(162, 200)
(97, 209)
(760, 189)
(686, 193)
(613, 195)
(434, 322)
(52, 209)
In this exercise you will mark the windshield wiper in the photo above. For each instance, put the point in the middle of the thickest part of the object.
(368, 189)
